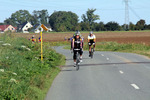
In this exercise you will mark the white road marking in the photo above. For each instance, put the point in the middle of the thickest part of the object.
(135, 86)
(107, 58)
(121, 72)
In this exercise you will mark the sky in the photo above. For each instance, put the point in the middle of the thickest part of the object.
(108, 10)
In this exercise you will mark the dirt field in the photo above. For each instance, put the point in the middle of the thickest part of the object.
(120, 37)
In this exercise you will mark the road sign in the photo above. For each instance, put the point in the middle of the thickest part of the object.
(44, 27)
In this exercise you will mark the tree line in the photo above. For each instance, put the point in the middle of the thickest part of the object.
(62, 21)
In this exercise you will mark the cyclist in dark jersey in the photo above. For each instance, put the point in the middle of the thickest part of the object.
(77, 47)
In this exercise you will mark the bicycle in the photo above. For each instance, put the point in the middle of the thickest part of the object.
(77, 59)
(92, 52)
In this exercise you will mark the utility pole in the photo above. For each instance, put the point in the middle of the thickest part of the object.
(126, 26)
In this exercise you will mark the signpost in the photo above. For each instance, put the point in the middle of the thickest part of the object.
(44, 28)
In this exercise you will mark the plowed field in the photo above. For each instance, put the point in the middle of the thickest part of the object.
(120, 37)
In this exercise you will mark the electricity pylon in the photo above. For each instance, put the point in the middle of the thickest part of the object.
(126, 26)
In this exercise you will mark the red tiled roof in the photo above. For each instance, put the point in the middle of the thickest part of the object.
(3, 27)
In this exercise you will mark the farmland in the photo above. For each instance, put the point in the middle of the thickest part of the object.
(137, 37)
(25, 75)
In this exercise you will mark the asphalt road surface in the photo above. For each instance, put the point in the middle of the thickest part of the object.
(108, 76)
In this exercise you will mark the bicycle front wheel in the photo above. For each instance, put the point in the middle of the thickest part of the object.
(91, 52)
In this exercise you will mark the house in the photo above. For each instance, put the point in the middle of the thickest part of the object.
(38, 28)
(49, 28)
(5, 28)
(25, 27)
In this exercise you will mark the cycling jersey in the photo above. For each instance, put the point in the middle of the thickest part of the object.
(77, 44)
(91, 38)
(33, 40)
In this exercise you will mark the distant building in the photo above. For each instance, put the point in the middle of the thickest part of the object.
(38, 27)
(49, 28)
(25, 27)
(5, 28)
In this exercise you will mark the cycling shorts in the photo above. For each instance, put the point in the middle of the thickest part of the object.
(91, 42)
(75, 52)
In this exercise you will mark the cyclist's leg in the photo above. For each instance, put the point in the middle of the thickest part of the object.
(80, 52)
(89, 50)
(74, 57)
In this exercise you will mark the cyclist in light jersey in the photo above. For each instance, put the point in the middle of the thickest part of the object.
(91, 41)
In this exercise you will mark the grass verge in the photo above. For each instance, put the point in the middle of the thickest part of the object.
(23, 76)
(141, 49)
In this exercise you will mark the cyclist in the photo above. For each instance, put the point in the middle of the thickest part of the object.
(77, 46)
(91, 41)
(33, 39)
(39, 39)
(74, 37)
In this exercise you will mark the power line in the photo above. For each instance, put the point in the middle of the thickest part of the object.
(135, 13)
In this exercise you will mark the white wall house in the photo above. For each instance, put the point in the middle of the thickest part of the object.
(26, 26)
(37, 30)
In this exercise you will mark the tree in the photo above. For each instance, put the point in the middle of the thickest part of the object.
(101, 26)
(19, 17)
(132, 26)
(112, 26)
(147, 27)
(140, 24)
(10, 21)
(85, 26)
(95, 27)
(90, 17)
(63, 21)
(35, 17)
(1, 23)
(40, 17)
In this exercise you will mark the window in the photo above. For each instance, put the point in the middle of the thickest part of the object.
(12, 28)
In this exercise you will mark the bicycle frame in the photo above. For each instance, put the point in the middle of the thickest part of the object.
(77, 59)
(92, 52)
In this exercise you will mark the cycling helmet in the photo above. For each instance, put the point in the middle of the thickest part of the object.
(91, 32)
(77, 33)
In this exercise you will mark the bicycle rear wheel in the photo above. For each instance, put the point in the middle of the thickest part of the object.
(77, 67)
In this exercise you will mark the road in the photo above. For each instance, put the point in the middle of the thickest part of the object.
(108, 76)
